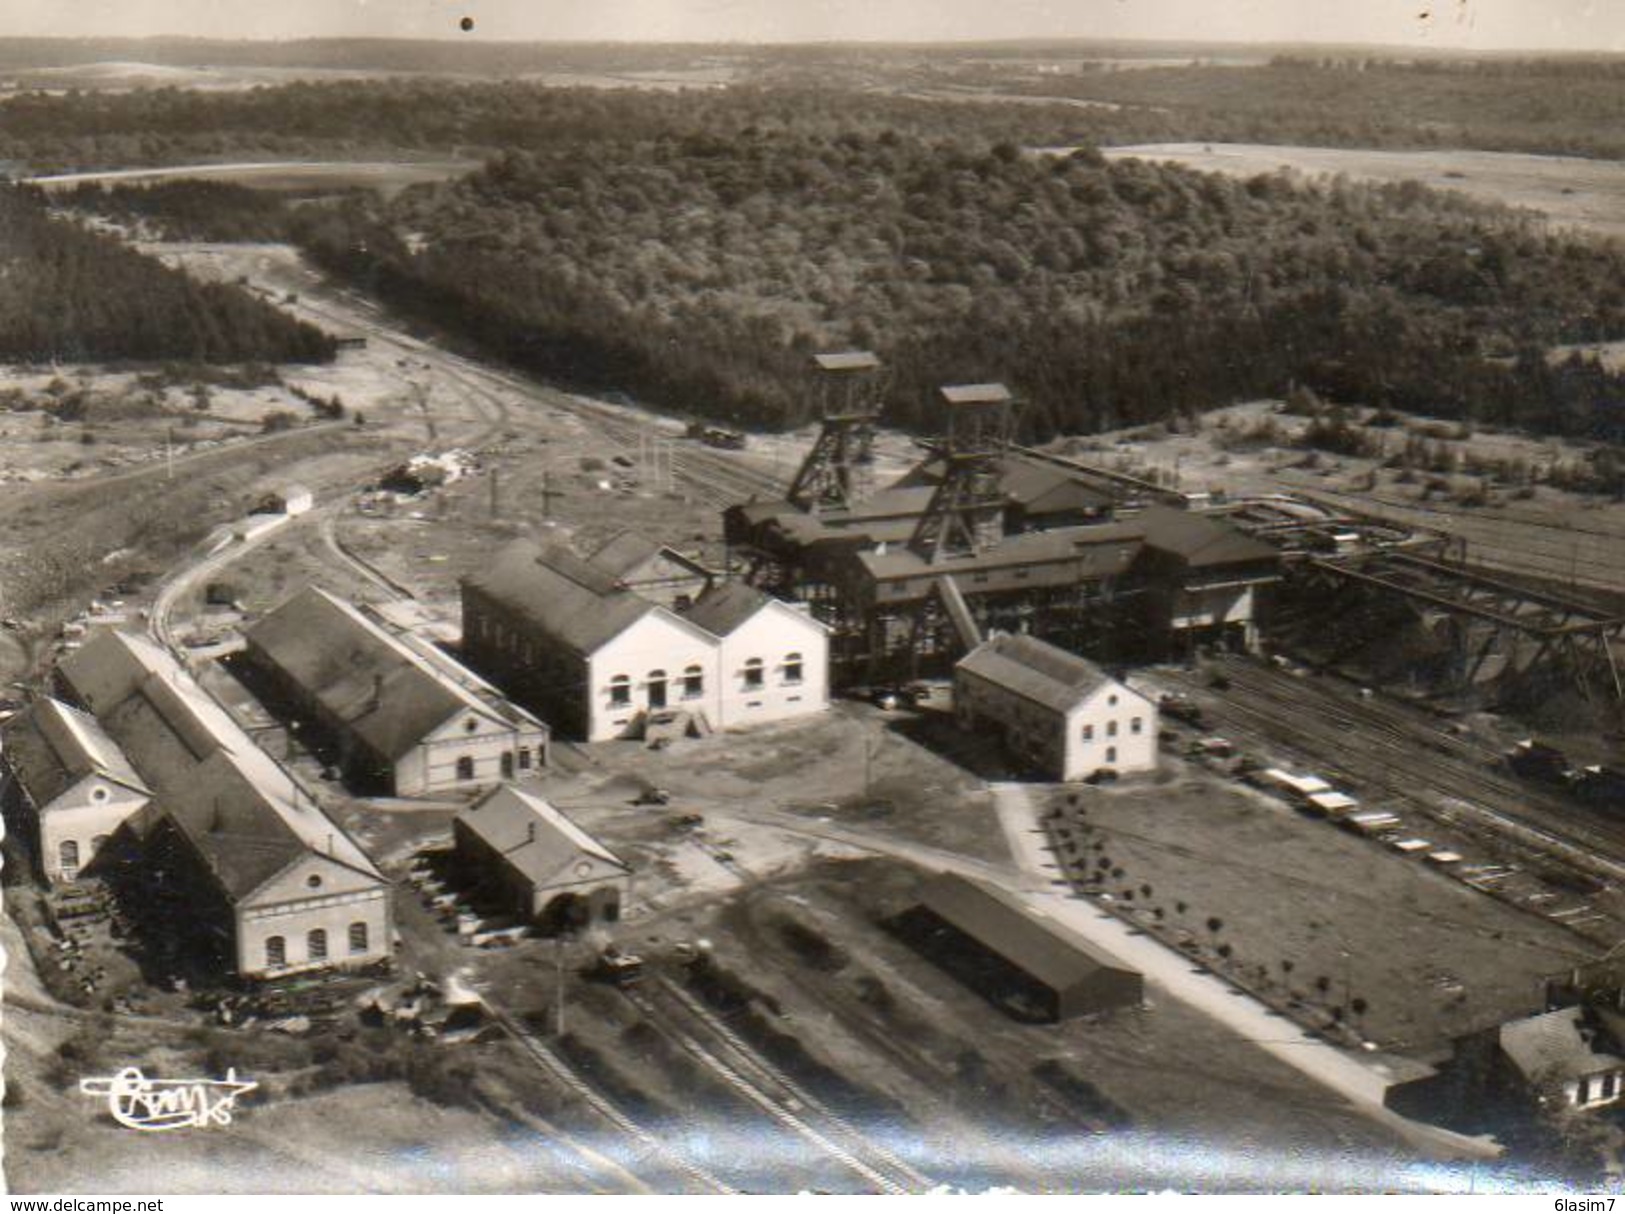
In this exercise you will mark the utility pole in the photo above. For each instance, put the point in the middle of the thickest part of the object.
(169, 453)
(495, 491)
(558, 957)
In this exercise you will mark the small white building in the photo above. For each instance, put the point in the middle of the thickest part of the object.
(1054, 709)
(568, 637)
(68, 784)
(544, 866)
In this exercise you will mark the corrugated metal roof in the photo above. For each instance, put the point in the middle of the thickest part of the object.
(532, 834)
(1556, 1046)
(51, 747)
(390, 695)
(625, 552)
(1038, 945)
(572, 600)
(1035, 670)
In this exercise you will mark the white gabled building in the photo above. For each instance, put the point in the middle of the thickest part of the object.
(545, 867)
(569, 638)
(1055, 709)
(266, 876)
(69, 784)
(406, 718)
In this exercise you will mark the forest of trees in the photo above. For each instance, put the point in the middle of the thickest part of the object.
(72, 295)
(700, 272)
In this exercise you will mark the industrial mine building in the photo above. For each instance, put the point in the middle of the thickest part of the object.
(983, 535)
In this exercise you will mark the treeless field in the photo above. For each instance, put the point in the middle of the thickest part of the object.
(1311, 912)
(1573, 192)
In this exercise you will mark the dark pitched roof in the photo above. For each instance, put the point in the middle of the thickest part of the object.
(1035, 485)
(390, 695)
(1557, 1046)
(246, 815)
(1029, 548)
(723, 608)
(1036, 670)
(1201, 542)
(532, 835)
(570, 599)
(1044, 949)
(627, 553)
(51, 747)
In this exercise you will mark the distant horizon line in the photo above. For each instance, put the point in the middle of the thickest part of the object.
(1070, 40)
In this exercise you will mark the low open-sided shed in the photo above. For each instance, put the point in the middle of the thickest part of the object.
(1022, 959)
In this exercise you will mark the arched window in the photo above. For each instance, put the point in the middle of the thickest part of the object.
(792, 668)
(1088, 733)
(1111, 729)
(1111, 754)
(465, 767)
(620, 691)
(276, 952)
(693, 683)
(657, 689)
(1136, 725)
(358, 937)
(316, 944)
(753, 674)
(68, 855)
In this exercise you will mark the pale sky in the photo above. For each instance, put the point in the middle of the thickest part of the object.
(1489, 25)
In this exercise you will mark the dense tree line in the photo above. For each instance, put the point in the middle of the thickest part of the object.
(700, 273)
(422, 117)
(186, 209)
(1553, 106)
(72, 295)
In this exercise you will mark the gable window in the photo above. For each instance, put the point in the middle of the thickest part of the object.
(316, 944)
(792, 668)
(276, 952)
(620, 691)
(657, 689)
(68, 856)
(1111, 701)
(470, 725)
(465, 767)
(693, 683)
(358, 937)
(753, 674)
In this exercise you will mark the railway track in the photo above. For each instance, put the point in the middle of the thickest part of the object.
(564, 1074)
(702, 1034)
(1402, 755)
